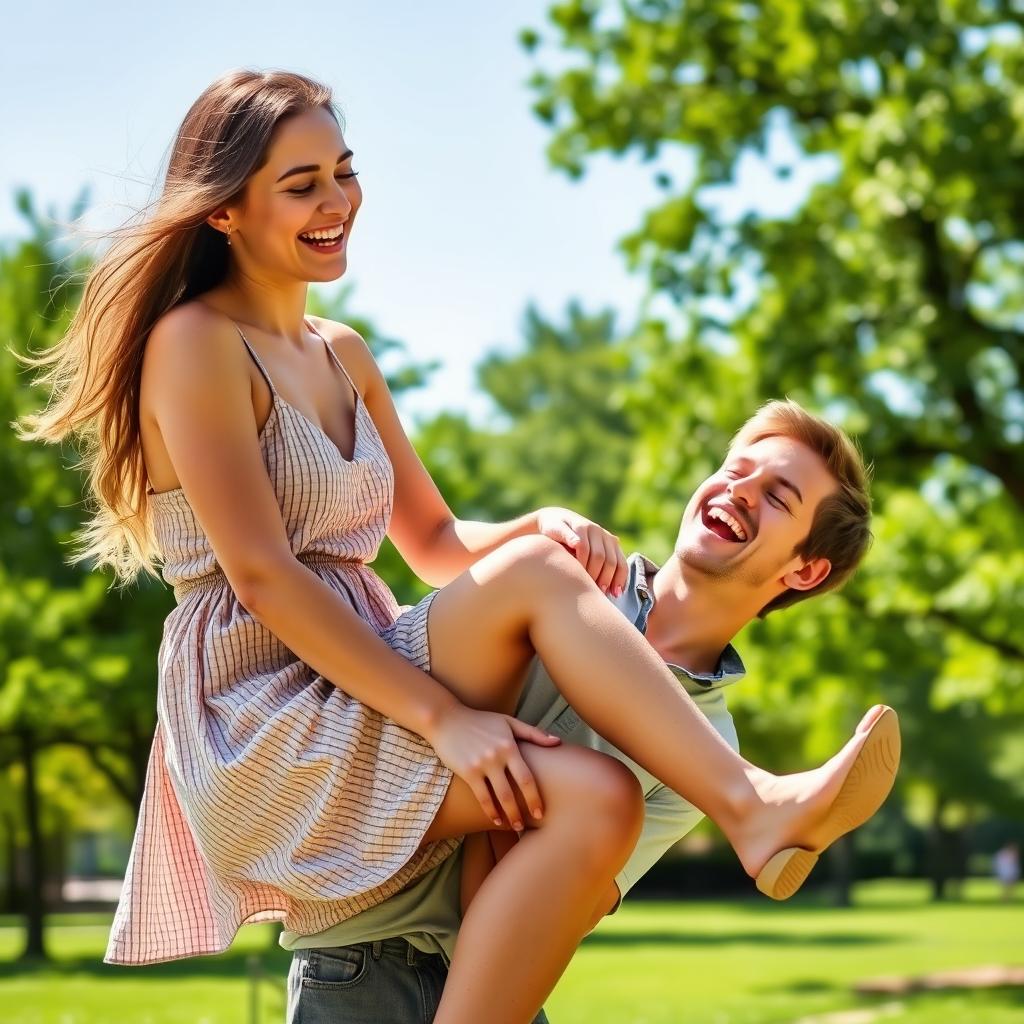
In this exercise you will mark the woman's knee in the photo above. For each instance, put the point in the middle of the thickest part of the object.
(537, 559)
(590, 791)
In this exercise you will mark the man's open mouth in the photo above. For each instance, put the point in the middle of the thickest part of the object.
(724, 524)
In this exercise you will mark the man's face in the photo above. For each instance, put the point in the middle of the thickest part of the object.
(744, 522)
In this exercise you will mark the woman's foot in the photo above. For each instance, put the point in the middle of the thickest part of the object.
(798, 816)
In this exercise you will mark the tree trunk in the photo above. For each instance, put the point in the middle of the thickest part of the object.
(11, 859)
(34, 906)
(939, 852)
(58, 863)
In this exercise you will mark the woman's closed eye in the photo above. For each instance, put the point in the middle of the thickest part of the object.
(309, 187)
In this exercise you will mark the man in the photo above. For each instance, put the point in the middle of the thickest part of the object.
(784, 518)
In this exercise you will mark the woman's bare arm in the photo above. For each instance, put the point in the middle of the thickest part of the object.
(200, 396)
(434, 543)
(431, 540)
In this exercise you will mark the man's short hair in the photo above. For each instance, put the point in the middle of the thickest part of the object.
(841, 528)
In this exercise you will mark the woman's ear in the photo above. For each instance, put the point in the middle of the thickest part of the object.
(219, 220)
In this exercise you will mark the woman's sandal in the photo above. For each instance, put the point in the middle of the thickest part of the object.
(863, 791)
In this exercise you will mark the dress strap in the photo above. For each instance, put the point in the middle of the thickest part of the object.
(334, 356)
(259, 362)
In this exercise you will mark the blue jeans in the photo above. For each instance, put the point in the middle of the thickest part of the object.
(387, 982)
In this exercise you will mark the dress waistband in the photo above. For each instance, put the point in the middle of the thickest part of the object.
(216, 577)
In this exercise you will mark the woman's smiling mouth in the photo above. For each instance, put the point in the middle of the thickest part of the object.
(325, 240)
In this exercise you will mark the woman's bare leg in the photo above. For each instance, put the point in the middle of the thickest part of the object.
(542, 896)
(531, 910)
(532, 595)
(478, 860)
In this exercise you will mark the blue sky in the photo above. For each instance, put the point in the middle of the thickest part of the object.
(463, 221)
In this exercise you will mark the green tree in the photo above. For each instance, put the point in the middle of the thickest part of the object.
(889, 299)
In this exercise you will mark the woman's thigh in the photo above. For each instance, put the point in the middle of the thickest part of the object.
(478, 625)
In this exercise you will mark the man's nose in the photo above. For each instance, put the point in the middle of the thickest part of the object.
(743, 490)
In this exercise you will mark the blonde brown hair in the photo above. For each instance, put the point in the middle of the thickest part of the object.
(154, 263)
(841, 528)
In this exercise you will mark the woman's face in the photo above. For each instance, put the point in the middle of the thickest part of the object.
(303, 186)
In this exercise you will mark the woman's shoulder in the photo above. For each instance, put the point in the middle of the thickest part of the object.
(191, 341)
(187, 319)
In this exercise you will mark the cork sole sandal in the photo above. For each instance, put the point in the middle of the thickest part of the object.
(864, 790)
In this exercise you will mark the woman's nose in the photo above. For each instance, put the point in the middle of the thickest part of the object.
(342, 203)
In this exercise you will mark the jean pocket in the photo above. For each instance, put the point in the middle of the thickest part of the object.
(341, 967)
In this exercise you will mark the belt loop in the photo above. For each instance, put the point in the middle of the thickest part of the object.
(410, 953)
(376, 949)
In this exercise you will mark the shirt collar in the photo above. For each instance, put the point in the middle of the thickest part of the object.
(639, 598)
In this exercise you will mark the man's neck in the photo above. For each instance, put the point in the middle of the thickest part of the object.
(693, 620)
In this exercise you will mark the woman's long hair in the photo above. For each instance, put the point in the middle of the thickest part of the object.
(154, 262)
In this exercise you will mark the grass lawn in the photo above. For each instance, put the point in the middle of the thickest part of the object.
(751, 962)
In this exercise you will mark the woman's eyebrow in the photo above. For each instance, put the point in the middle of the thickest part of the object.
(311, 167)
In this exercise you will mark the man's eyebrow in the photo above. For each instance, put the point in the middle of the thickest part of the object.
(311, 167)
(793, 487)
(778, 476)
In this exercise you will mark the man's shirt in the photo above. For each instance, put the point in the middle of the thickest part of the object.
(427, 914)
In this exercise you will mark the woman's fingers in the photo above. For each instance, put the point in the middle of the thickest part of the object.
(582, 549)
(611, 564)
(484, 798)
(621, 571)
(601, 555)
(520, 772)
(523, 731)
(595, 563)
(506, 798)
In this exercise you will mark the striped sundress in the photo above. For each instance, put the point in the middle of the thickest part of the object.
(270, 793)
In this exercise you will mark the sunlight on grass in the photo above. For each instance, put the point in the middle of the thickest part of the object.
(716, 962)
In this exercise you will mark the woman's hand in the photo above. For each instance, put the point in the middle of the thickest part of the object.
(596, 549)
(481, 748)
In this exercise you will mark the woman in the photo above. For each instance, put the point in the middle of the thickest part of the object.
(305, 764)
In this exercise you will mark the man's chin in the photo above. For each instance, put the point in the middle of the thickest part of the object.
(704, 564)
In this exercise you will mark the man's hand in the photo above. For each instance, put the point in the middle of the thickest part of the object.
(596, 549)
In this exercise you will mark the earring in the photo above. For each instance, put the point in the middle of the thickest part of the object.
(229, 234)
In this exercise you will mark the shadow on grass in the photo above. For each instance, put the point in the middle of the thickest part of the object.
(819, 902)
(1003, 996)
(773, 938)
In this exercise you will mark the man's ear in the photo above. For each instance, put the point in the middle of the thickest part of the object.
(809, 576)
